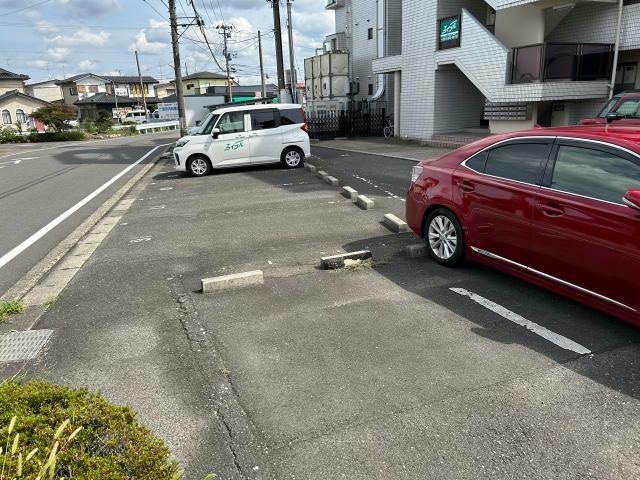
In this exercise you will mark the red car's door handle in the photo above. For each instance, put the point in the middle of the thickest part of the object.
(466, 186)
(550, 210)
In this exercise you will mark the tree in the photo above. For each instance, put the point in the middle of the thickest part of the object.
(104, 121)
(56, 116)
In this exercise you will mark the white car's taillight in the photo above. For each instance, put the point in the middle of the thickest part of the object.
(415, 173)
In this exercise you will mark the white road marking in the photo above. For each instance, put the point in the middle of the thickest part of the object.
(555, 338)
(166, 188)
(141, 239)
(18, 160)
(370, 182)
(158, 207)
(7, 257)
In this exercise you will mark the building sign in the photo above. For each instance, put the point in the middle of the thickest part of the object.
(449, 32)
(122, 92)
(168, 111)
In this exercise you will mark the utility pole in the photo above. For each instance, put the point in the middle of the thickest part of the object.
(115, 95)
(616, 50)
(277, 28)
(264, 88)
(144, 98)
(227, 56)
(176, 66)
(292, 62)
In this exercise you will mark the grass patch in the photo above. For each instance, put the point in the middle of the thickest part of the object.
(358, 264)
(10, 307)
(54, 432)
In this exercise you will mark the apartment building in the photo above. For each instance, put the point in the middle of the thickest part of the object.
(85, 85)
(450, 65)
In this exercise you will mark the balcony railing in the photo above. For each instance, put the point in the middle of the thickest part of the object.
(545, 62)
(334, 4)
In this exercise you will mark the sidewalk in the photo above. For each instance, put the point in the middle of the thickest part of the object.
(392, 147)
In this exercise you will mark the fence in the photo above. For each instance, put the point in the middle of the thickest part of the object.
(329, 125)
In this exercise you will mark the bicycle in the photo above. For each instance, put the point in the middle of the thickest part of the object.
(389, 130)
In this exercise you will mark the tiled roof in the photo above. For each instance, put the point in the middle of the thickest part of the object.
(106, 98)
(15, 93)
(204, 75)
(7, 75)
(125, 79)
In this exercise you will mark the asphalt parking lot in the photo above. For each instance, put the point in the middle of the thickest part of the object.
(380, 371)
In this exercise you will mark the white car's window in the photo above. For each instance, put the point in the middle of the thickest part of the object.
(263, 119)
(594, 173)
(232, 122)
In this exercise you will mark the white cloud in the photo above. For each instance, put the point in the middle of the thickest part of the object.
(83, 8)
(152, 40)
(58, 54)
(87, 65)
(81, 38)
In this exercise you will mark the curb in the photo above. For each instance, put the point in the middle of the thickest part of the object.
(364, 152)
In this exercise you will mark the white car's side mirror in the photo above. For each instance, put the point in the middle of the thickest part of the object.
(215, 132)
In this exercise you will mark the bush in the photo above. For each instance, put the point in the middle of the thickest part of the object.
(9, 135)
(56, 116)
(88, 127)
(68, 136)
(91, 438)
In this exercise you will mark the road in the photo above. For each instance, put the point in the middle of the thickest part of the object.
(39, 184)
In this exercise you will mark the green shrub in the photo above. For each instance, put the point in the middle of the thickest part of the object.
(88, 127)
(9, 307)
(9, 135)
(67, 136)
(106, 443)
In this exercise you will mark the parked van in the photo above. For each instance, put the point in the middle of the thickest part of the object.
(137, 116)
(246, 135)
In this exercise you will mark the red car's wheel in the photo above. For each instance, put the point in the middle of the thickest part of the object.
(445, 238)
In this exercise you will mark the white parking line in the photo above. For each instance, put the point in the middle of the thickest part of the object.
(555, 338)
(374, 185)
(7, 257)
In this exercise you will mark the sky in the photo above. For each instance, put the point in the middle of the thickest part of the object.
(60, 38)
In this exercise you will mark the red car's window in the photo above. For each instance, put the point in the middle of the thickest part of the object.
(629, 108)
(519, 161)
(594, 173)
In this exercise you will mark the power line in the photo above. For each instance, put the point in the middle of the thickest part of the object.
(4, 14)
(204, 33)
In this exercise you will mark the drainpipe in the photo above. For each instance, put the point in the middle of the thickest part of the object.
(380, 38)
(616, 50)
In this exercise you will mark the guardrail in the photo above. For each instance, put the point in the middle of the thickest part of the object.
(158, 126)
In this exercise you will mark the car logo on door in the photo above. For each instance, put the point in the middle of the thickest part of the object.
(234, 146)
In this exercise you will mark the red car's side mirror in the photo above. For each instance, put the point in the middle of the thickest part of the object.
(632, 199)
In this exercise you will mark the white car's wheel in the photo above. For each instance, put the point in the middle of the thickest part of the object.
(292, 157)
(199, 166)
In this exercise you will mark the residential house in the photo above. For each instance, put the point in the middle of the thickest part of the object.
(49, 90)
(130, 86)
(86, 85)
(81, 86)
(198, 83)
(164, 90)
(10, 81)
(89, 107)
(16, 109)
(453, 65)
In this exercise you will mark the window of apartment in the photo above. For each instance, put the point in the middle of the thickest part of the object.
(370, 34)
(189, 86)
(371, 89)
(73, 91)
(20, 116)
(6, 117)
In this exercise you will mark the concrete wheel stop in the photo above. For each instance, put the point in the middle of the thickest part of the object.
(338, 261)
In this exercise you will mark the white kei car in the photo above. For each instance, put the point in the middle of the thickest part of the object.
(245, 135)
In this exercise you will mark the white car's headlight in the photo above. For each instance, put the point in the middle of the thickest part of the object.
(181, 143)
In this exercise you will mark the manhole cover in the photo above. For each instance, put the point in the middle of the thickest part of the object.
(19, 346)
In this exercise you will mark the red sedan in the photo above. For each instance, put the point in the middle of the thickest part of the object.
(559, 207)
